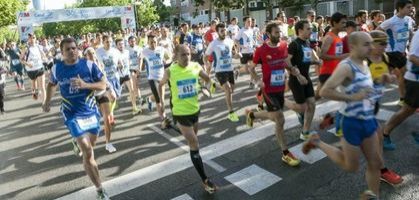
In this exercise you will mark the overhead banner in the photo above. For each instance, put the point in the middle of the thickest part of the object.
(25, 20)
(24, 31)
(128, 22)
(73, 14)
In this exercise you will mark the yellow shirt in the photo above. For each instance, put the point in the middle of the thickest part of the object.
(378, 69)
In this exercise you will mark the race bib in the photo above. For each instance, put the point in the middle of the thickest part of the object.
(367, 104)
(277, 77)
(339, 49)
(314, 36)
(186, 88)
(15, 61)
(199, 47)
(307, 54)
(88, 123)
(402, 35)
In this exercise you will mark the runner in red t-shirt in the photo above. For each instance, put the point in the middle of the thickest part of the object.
(272, 55)
(209, 36)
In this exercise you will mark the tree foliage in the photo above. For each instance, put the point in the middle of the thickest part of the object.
(163, 11)
(146, 13)
(8, 10)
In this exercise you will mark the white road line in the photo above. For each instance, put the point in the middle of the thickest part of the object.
(253, 179)
(183, 197)
(169, 167)
(217, 167)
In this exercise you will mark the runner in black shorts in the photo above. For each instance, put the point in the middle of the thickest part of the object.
(224, 77)
(187, 120)
(301, 55)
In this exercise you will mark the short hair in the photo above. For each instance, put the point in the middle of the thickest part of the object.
(319, 17)
(336, 18)
(361, 12)
(351, 23)
(300, 26)
(354, 37)
(378, 35)
(375, 13)
(220, 25)
(68, 40)
(117, 40)
(194, 26)
(132, 37)
(105, 37)
(214, 22)
(270, 26)
(183, 25)
(245, 18)
(310, 12)
(234, 18)
(151, 36)
(400, 4)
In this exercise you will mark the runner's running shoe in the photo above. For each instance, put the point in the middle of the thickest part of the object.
(368, 195)
(388, 144)
(311, 143)
(233, 117)
(249, 120)
(290, 159)
(209, 186)
(391, 177)
(102, 195)
(110, 148)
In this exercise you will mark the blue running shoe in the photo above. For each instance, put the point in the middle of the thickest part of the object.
(388, 145)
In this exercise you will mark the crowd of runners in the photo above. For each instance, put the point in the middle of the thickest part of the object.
(353, 62)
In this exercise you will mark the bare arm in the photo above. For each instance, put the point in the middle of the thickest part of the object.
(342, 73)
(50, 91)
(327, 42)
(414, 59)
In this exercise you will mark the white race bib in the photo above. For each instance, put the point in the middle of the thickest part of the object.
(314, 36)
(277, 77)
(307, 54)
(87, 123)
(186, 88)
(339, 49)
(402, 35)
(15, 61)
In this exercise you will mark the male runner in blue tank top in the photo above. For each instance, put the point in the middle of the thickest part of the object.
(78, 79)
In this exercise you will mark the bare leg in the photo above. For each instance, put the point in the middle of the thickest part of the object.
(398, 118)
(374, 162)
(89, 163)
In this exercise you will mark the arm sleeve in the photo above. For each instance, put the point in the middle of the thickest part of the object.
(53, 80)
(256, 56)
(292, 48)
(385, 25)
(209, 49)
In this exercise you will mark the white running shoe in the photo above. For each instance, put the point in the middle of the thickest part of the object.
(110, 148)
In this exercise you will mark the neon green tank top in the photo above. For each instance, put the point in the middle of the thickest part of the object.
(184, 87)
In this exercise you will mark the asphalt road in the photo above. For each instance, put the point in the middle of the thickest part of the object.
(37, 162)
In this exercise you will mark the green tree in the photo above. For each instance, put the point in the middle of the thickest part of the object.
(146, 13)
(8, 10)
(163, 11)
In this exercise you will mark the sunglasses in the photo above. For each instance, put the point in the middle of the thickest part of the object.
(382, 43)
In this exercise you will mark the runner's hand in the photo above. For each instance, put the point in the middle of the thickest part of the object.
(362, 94)
(78, 82)
(302, 80)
